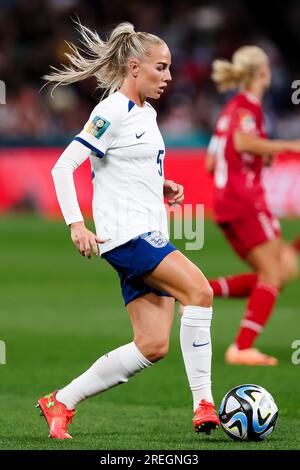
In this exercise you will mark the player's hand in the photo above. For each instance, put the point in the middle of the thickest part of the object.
(85, 241)
(267, 159)
(173, 192)
(210, 163)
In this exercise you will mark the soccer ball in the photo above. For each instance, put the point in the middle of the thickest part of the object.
(248, 412)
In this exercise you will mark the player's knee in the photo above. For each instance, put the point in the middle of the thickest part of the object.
(273, 277)
(155, 350)
(201, 296)
(160, 352)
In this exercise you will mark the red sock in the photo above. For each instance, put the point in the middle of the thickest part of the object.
(260, 306)
(296, 244)
(240, 285)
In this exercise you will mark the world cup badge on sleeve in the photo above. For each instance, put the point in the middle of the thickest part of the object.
(98, 126)
(247, 122)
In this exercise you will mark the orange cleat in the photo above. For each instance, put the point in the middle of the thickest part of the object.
(205, 419)
(57, 416)
(248, 357)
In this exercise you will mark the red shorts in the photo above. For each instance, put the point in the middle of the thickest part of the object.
(251, 230)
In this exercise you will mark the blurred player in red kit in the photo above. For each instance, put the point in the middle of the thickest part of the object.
(236, 155)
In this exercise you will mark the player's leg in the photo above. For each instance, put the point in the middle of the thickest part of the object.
(238, 285)
(265, 261)
(289, 260)
(182, 279)
(151, 318)
(255, 237)
(178, 276)
(241, 285)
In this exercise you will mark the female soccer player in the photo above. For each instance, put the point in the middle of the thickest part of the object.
(126, 151)
(236, 154)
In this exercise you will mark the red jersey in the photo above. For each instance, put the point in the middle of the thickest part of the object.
(238, 186)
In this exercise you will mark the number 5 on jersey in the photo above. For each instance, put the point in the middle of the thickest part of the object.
(159, 162)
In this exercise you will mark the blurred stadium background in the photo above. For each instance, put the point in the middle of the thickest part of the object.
(34, 127)
(60, 312)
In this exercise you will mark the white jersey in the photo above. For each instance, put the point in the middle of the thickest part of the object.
(127, 163)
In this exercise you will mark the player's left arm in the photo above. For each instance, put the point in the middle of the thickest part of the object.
(173, 192)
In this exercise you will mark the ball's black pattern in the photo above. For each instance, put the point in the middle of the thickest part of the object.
(248, 412)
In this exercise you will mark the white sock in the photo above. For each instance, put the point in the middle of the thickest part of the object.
(195, 344)
(110, 370)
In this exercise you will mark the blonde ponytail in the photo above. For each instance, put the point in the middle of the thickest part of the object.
(245, 63)
(105, 60)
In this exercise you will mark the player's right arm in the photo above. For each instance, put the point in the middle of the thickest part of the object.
(259, 146)
(210, 158)
(95, 138)
(249, 136)
(73, 156)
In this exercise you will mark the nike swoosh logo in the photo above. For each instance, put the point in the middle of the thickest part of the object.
(197, 345)
(139, 136)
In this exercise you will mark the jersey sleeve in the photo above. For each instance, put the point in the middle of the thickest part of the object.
(101, 128)
(72, 157)
(245, 121)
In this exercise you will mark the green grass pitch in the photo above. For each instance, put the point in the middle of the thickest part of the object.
(60, 312)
